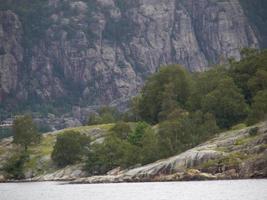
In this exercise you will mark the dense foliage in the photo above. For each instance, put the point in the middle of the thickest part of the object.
(69, 148)
(123, 147)
(188, 109)
(168, 89)
(14, 167)
(104, 115)
(250, 75)
(232, 93)
(179, 134)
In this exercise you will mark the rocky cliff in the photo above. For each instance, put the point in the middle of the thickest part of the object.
(100, 51)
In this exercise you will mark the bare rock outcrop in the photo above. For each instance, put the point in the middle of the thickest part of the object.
(99, 52)
(231, 155)
(11, 52)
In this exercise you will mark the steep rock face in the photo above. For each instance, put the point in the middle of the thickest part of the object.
(102, 50)
(11, 52)
(222, 28)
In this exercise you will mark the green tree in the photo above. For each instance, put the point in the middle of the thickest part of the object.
(204, 83)
(70, 147)
(134, 112)
(168, 88)
(25, 131)
(258, 108)
(108, 114)
(150, 147)
(187, 131)
(258, 82)
(250, 74)
(94, 119)
(200, 126)
(226, 103)
(171, 137)
(136, 137)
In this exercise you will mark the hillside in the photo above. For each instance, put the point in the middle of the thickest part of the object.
(58, 54)
(230, 155)
(40, 155)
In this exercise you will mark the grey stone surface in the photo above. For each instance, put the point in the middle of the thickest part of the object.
(105, 55)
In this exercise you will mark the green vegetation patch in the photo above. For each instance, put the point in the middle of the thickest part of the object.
(84, 129)
(231, 160)
(2, 151)
(45, 147)
(239, 126)
(222, 149)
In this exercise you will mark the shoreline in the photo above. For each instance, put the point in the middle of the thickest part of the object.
(73, 182)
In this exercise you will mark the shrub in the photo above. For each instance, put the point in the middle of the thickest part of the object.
(14, 167)
(112, 153)
(121, 130)
(239, 126)
(70, 147)
(253, 131)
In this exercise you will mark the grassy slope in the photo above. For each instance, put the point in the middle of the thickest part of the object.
(237, 145)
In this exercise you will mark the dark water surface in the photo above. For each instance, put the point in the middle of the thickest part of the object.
(207, 190)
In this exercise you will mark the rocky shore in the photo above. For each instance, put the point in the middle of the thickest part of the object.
(237, 154)
(240, 154)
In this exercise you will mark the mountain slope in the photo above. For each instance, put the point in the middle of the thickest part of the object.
(40, 155)
(97, 51)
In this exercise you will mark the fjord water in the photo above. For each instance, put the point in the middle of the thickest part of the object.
(208, 190)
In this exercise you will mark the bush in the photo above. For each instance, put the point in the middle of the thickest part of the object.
(70, 147)
(112, 153)
(238, 126)
(259, 108)
(14, 167)
(253, 131)
(118, 151)
(121, 130)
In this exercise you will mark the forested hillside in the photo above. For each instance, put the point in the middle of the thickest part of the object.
(175, 111)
